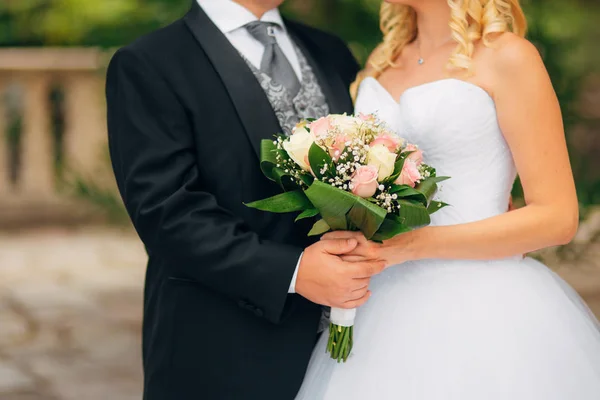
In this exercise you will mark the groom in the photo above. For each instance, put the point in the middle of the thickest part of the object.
(230, 305)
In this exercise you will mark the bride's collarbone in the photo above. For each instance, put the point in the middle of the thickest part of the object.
(399, 82)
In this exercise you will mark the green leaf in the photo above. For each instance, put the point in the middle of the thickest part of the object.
(408, 193)
(399, 189)
(268, 165)
(333, 203)
(319, 228)
(391, 226)
(429, 186)
(343, 211)
(317, 158)
(413, 214)
(311, 212)
(367, 217)
(307, 179)
(435, 206)
(282, 154)
(268, 158)
(398, 165)
(283, 203)
(284, 180)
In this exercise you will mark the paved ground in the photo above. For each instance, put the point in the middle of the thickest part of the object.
(70, 306)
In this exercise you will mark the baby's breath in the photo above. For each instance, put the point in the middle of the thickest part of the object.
(386, 200)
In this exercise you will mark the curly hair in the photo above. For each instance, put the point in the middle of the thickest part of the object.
(470, 21)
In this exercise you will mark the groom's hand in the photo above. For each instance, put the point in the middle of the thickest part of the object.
(324, 278)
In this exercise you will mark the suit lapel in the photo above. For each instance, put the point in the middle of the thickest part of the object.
(248, 97)
(334, 89)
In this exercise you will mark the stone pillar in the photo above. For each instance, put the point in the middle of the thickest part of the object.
(85, 136)
(5, 187)
(36, 177)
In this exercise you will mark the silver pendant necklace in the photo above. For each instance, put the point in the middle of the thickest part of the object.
(421, 60)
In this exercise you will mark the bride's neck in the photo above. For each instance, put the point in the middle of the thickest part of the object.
(433, 25)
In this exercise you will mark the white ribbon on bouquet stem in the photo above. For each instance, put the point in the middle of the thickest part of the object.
(342, 316)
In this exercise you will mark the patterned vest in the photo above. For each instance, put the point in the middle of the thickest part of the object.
(310, 102)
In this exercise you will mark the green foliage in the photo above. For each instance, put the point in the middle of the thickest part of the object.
(97, 191)
(104, 23)
(105, 199)
(341, 210)
(319, 228)
(308, 213)
(283, 203)
(318, 159)
(566, 35)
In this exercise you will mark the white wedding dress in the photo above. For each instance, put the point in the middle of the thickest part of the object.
(461, 330)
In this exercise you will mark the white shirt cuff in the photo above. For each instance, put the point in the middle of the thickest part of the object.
(292, 288)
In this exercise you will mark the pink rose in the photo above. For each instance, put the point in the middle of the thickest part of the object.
(416, 155)
(364, 181)
(339, 144)
(392, 142)
(367, 117)
(320, 127)
(410, 174)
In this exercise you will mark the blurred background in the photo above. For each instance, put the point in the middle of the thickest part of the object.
(71, 268)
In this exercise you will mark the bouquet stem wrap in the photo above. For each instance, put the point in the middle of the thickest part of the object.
(341, 335)
(343, 317)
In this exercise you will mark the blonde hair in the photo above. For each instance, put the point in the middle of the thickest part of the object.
(470, 21)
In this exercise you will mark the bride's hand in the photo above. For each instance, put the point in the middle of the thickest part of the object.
(366, 250)
(392, 252)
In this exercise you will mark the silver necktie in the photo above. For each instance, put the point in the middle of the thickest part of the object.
(274, 62)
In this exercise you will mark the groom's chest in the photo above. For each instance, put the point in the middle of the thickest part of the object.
(231, 106)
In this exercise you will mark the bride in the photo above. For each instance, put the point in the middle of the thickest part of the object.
(458, 314)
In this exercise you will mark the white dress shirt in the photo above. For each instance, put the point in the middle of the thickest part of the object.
(230, 17)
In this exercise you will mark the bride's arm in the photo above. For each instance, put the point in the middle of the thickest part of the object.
(530, 119)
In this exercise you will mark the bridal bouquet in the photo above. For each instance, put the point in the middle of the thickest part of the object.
(353, 174)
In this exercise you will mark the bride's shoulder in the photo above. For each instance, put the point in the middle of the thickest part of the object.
(510, 53)
(511, 57)
(512, 49)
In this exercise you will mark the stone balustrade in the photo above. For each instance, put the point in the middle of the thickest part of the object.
(27, 78)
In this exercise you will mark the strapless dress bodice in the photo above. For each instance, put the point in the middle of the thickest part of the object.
(455, 123)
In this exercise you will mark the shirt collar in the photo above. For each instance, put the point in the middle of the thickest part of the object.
(229, 16)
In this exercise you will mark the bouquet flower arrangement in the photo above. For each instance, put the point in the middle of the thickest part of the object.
(354, 174)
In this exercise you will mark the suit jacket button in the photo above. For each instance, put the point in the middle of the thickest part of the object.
(259, 313)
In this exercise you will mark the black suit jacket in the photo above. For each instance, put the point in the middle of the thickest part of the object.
(185, 119)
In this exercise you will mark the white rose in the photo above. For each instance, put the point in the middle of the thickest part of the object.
(346, 123)
(380, 157)
(297, 147)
